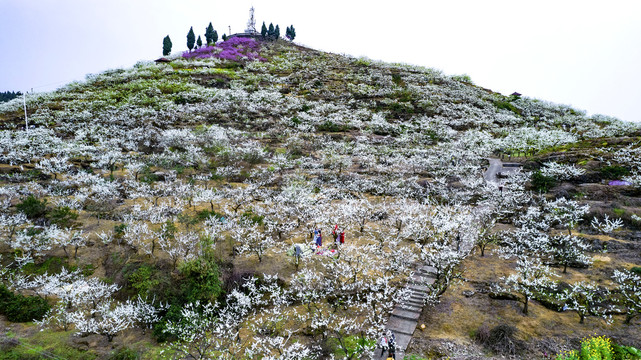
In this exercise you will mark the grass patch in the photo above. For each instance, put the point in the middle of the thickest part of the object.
(46, 344)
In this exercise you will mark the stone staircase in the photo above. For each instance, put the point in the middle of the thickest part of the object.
(404, 318)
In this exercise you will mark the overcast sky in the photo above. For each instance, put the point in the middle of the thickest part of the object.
(581, 53)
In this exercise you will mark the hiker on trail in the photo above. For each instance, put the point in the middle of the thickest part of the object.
(501, 188)
(392, 346)
(383, 344)
(318, 237)
(392, 350)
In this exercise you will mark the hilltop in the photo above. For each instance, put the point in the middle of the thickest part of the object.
(171, 197)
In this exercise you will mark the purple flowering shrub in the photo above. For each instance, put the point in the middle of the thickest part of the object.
(234, 49)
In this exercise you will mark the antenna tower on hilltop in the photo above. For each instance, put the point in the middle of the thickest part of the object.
(251, 23)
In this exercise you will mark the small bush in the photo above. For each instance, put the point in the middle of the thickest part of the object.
(614, 172)
(51, 265)
(329, 126)
(636, 270)
(500, 339)
(20, 308)
(506, 105)
(541, 182)
(596, 348)
(124, 353)
(625, 352)
(354, 346)
(149, 282)
(63, 216)
(206, 214)
(600, 348)
(33, 207)
(618, 212)
(256, 219)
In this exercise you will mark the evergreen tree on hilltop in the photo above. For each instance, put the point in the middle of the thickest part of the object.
(191, 38)
(224, 37)
(290, 33)
(270, 32)
(209, 34)
(263, 31)
(9, 95)
(214, 37)
(166, 46)
(277, 32)
(199, 42)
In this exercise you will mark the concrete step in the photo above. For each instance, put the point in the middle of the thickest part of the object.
(427, 268)
(401, 325)
(408, 307)
(419, 288)
(405, 314)
(418, 304)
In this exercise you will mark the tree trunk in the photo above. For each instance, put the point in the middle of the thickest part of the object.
(527, 300)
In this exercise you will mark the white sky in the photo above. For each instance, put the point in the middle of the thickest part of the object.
(582, 53)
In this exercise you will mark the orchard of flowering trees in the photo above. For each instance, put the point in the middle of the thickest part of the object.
(275, 203)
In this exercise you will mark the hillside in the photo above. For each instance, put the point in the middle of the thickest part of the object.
(169, 197)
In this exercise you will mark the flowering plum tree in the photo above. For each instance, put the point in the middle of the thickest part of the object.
(531, 278)
(629, 293)
(586, 299)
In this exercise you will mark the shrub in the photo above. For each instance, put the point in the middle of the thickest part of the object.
(256, 219)
(201, 277)
(636, 270)
(51, 265)
(329, 126)
(20, 308)
(124, 353)
(206, 214)
(614, 172)
(541, 182)
(625, 352)
(63, 216)
(506, 105)
(352, 346)
(596, 348)
(500, 339)
(150, 282)
(600, 348)
(33, 207)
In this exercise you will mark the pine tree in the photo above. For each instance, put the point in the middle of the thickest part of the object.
(191, 38)
(292, 33)
(214, 37)
(277, 33)
(209, 34)
(263, 31)
(199, 42)
(166, 46)
(270, 32)
(224, 37)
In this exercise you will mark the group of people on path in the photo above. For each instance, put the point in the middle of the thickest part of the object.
(388, 343)
(338, 234)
